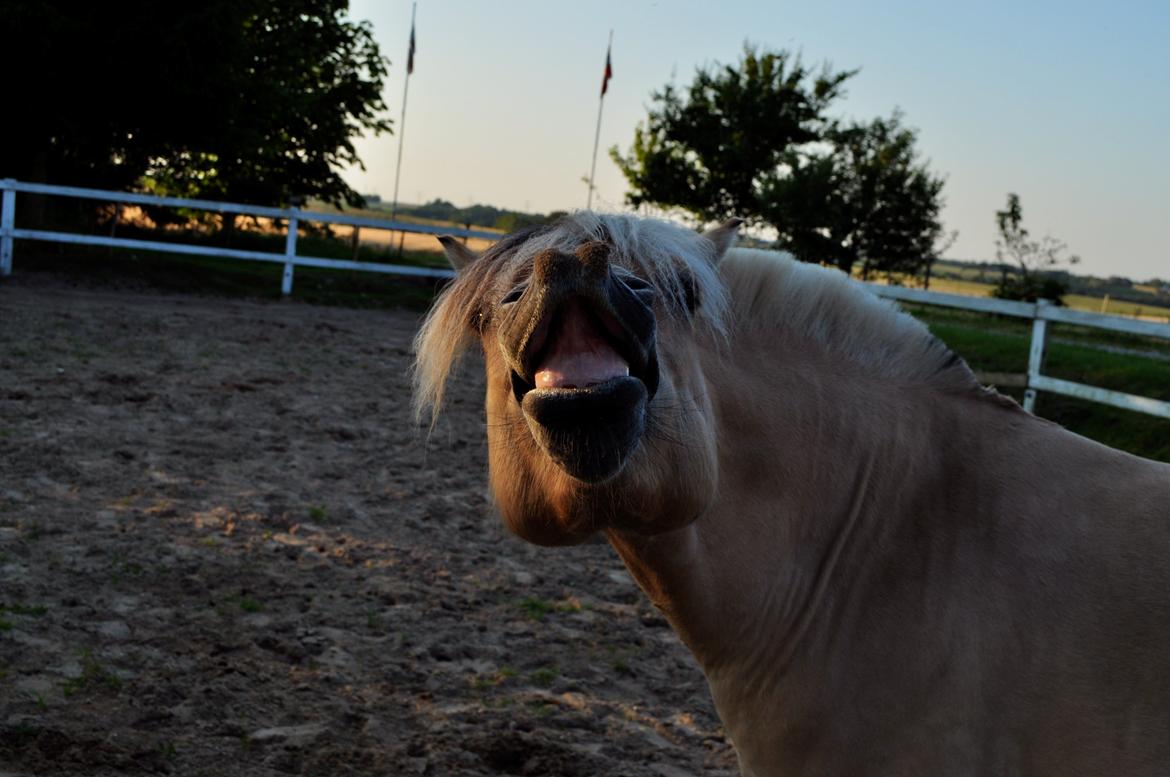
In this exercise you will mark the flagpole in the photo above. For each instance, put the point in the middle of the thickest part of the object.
(402, 122)
(597, 133)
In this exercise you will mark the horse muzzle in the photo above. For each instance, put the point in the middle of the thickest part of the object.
(579, 339)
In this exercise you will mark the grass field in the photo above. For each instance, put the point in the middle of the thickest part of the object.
(995, 344)
(1074, 301)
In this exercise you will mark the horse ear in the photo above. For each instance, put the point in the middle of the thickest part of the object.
(458, 254)
(723, 236)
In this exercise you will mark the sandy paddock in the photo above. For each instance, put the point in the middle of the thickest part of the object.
(224, 550)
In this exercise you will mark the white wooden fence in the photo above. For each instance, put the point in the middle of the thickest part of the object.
(1040, 313)
(289, 258)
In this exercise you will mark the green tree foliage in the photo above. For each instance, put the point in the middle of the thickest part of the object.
(709, 151)
(753, 140)
(863, 197)
(251, 100)
(1028, 266)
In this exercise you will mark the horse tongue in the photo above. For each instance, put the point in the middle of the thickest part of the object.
(578, 356)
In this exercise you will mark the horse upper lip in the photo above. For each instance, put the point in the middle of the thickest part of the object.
(605, 324)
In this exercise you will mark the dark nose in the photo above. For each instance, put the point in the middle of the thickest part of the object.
(594, 258)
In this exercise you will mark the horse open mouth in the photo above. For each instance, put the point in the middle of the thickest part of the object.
(577, 349)
(584, 390)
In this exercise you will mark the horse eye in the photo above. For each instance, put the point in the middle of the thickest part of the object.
(512, 296)
(691, 295)
(479, 321)
(641, 288)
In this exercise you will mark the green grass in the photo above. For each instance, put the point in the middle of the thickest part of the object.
(545, 676)
(536, 608)
(93, 674)
(31, 610)
(250, 605)
(993, 344)
(482, 682)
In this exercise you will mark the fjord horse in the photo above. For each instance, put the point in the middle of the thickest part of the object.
(882, 567)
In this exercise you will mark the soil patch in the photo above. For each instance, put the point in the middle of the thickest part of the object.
(226, 548)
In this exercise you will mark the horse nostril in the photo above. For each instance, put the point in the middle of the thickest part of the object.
(595, 259)
(549, 265)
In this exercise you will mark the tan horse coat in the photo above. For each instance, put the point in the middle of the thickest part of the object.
(882, 568)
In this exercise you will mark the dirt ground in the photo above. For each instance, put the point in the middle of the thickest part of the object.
(227, 549)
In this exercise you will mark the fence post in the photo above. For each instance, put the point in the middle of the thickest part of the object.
(7, 223)
(290, 252)
(1036, 354)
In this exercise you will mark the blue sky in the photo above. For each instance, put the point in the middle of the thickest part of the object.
(1066, 104)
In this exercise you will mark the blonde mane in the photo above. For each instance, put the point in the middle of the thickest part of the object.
(772, 291)
(748, 287)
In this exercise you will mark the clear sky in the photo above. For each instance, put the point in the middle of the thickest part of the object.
(1065, 103)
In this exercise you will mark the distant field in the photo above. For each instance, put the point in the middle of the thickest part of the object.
(1115, 307)
(409, 241)
(384, 213)
(1074, 301)
(953, 286)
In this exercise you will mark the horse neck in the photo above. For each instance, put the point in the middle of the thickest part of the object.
(817, 464)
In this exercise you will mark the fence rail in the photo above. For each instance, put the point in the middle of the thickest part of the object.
(289, 258)
(1040, 313)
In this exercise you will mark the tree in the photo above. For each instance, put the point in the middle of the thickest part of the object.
(1026, 264)
(708, 152)
(251, 100)
(752, 140)
(862, 197)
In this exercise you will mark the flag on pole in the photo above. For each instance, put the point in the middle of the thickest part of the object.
(410, 53)
(600, 104)
(608, 72)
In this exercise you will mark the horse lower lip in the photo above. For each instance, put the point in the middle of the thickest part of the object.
(589, 432)
(595, 386)
(526, 387)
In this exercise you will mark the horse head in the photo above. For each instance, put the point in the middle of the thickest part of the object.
(597, 413)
